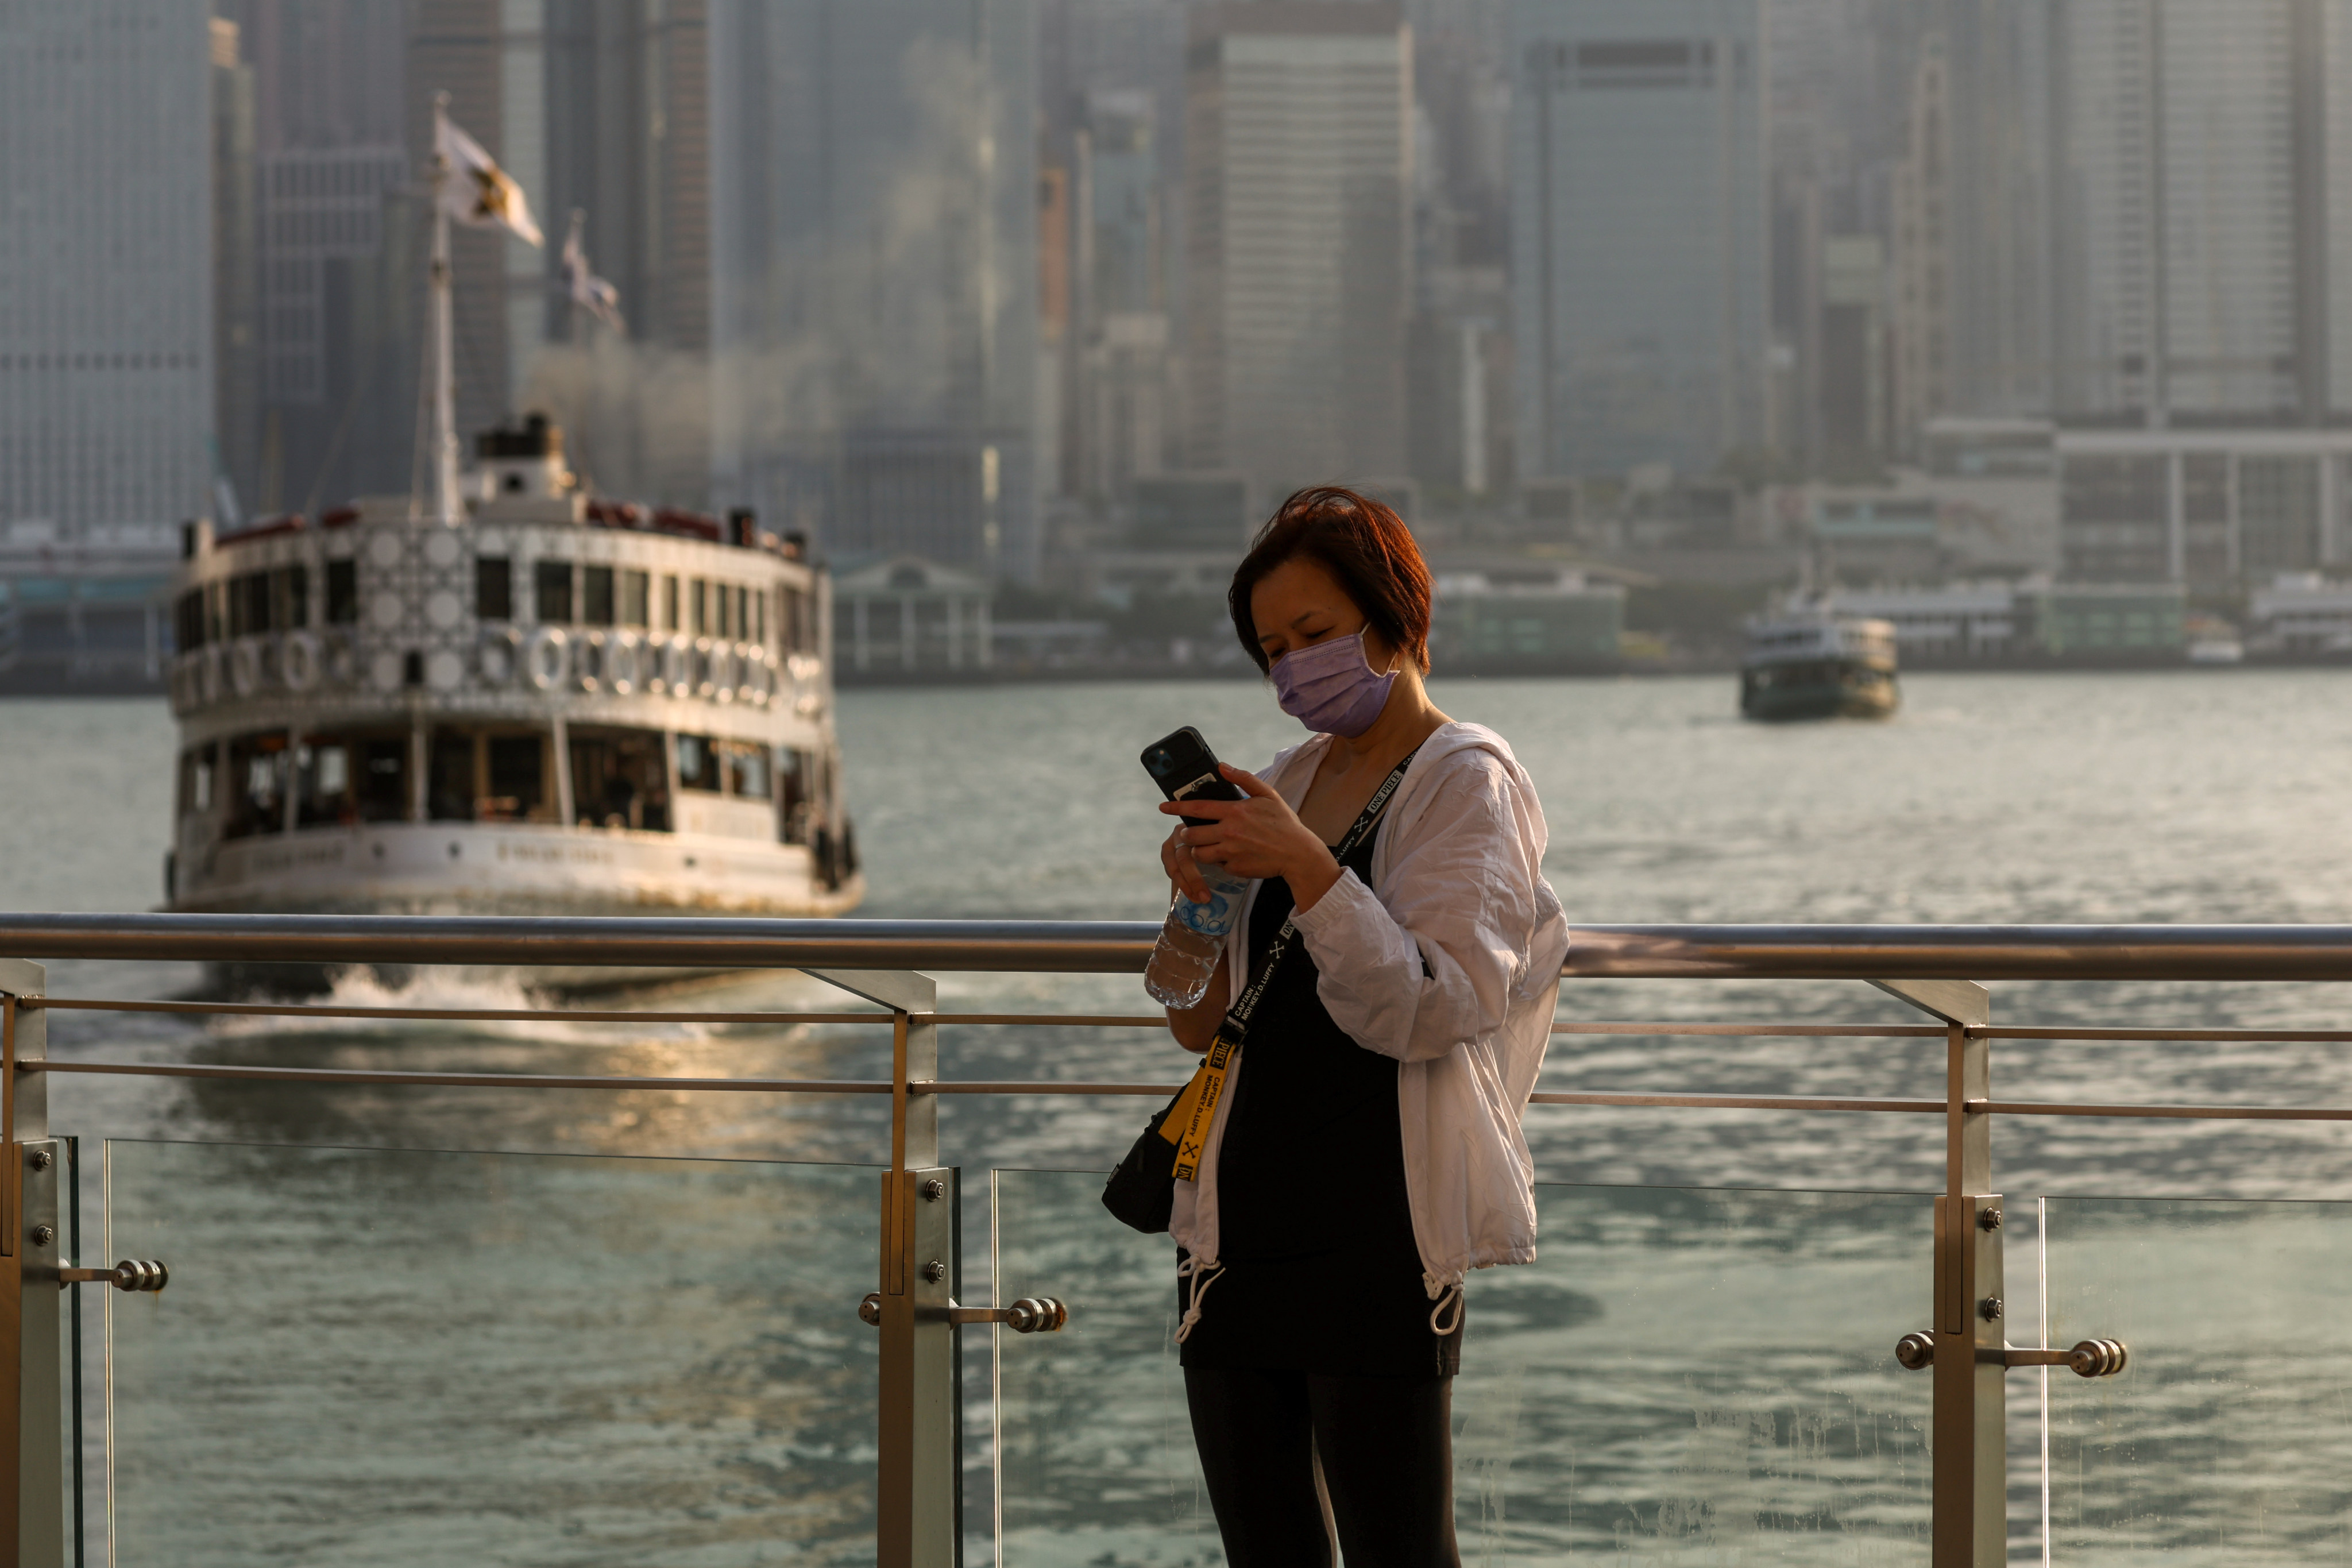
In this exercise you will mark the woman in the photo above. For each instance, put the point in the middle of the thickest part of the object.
(1367, 1151)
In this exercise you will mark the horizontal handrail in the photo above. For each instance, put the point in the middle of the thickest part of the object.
(1617, 1026)
(1064, 1020)
(1635, 1098)
(458, 1079)
(1611, 951)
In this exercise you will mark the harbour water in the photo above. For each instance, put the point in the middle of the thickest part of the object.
(2209, 796)
(2206, 796)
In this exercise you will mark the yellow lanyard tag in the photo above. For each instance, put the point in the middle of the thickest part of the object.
(1187, 1120)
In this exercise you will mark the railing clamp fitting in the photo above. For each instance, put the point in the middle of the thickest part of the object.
(2091, 1358)
(131, 1274)
(1029, 1315)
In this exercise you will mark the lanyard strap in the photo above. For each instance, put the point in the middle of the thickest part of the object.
(1189, 1131)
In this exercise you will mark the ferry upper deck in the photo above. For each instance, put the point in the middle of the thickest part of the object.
(559, 702)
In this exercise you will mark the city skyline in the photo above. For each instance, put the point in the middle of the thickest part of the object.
(955, 278)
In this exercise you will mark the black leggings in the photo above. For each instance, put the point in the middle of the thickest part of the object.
(1386, 1448)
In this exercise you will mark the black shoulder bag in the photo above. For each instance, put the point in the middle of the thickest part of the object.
(1142, 1192)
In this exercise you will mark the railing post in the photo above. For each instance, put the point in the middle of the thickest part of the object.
(32, 1407)
(918, 1480)
(1971, 1463)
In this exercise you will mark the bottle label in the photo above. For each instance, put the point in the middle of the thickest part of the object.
(1216, 917)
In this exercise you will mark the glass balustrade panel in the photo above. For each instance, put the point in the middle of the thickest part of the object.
(1684, 1377)
(372, 1357)
(2227, 1438)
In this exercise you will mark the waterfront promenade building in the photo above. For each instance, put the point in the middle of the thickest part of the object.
(1639, 233)
(106, 352)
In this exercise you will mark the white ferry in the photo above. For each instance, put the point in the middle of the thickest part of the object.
(504, 695)
(1810, 664)
(550, 703)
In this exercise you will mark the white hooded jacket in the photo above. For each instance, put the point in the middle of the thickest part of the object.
(1450, 963)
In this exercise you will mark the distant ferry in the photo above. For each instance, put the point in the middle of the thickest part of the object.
(543, 703)
(1815, 665)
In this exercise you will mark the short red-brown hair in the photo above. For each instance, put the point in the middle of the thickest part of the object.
(1367, 548)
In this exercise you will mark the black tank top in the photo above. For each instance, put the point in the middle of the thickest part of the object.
(1313, 1225)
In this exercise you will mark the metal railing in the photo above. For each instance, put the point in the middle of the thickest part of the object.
(1935, 969)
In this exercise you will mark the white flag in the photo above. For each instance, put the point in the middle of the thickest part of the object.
(476, 191)
(590, 292)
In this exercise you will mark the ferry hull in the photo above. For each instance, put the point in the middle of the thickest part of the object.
(520, 868)
(1844, 692)
(469, 867)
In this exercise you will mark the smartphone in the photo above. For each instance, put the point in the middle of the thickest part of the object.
(1185, 769)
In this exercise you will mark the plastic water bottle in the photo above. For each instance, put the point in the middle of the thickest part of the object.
(1189, 944)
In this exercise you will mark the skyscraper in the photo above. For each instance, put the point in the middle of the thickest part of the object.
(1923, 246)
(874, 307)
(105, 358)
(1639, 233)
(1299, 164)
(2199, 272)
(2003, 189)
(237, 327)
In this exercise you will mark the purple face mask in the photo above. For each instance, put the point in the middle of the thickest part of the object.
(1331, 687)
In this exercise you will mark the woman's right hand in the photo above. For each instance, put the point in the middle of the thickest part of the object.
(1182, 869)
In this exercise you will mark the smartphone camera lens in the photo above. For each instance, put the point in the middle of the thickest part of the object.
(1160, 756)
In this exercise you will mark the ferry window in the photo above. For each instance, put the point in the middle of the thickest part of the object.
(669, 604)
(552, 581)
(323, 781)
(793, 774)
(256, 784)
(449, 776)
(618, 780)
(759, 617)
(383, 783)
(725, 610)
(493, 588)
(342, 592)
(701, 596)
(794, 620)
(196, 781)
(293, 597)
(248, 603)
(518, 780)
(747, 770)
(697, 764)
(188, 621)
(637, 589)
(743, 614)
(596, 595)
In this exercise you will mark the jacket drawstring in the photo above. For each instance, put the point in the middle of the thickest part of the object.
(1449, 1298)
(1202, 1278)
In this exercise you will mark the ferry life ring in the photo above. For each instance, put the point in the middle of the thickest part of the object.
(719, 672)
(588, 662)
(499, 654)
(245, 666)
(675, 663)
(547, 659)
(297, 661)
(623, 657)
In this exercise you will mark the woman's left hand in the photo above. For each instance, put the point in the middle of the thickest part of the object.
(1258, 836)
